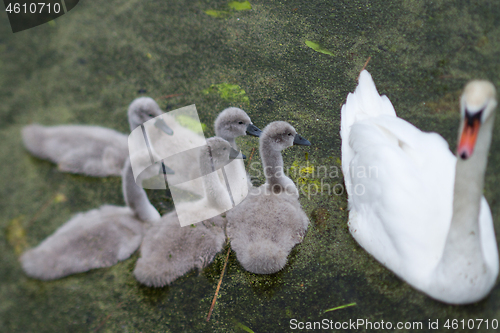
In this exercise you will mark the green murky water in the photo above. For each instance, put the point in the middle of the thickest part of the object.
(88, 65)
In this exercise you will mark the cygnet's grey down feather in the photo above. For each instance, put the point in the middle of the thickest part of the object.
(94, 239)
(88, 150)
(97, 238)
(265, 227)
(168, 250)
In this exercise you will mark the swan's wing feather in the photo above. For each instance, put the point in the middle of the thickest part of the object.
(407, 190)
(364, 103)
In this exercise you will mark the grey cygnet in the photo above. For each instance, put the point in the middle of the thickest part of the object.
(265, 227)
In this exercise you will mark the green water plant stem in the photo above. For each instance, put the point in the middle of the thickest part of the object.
(340, 307)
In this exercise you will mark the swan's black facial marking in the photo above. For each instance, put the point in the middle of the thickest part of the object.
(470, 117)
(467, 142)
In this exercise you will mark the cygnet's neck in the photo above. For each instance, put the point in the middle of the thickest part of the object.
(273, 166)
(135, 196)
(229, 138)
(215, 192)
(133, 124)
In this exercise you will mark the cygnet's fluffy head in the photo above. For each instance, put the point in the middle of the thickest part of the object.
(477, 105)
(232, 123)
(141, 110)
(279, 135)
(216, 154)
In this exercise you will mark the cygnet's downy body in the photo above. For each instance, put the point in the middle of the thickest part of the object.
(168, 250)
(98, 238)
(89, 150)
(265, 227)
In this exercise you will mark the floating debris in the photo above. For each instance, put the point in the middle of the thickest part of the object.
(318, 48)
(218, 13)
(245, 5)
(341, 307)
(243, 327)
(232, 6)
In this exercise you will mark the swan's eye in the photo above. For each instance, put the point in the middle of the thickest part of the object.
(289, 134)
(224, 149)
(240, 122)
(151, 115)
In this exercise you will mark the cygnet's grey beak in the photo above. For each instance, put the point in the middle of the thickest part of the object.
(165, 170)
(233, 153)
(162, 125)
(253, 130)
(298, 140)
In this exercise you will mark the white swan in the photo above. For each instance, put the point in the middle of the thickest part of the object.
(90, 150)
(168, 250)
(265, 227)
(413, 205)
(97, 238)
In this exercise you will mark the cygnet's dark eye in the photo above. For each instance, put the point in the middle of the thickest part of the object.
(224, 149)
(240, 122)
(289, 134)
(151, 115)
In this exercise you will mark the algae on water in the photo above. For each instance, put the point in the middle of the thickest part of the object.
(228, 92)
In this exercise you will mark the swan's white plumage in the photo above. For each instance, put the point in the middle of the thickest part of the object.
(400, 184)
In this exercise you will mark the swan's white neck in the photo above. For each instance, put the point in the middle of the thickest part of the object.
(469, 181)
(135, 196)
(463, 264)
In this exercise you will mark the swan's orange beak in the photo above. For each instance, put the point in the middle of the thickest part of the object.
(468, 137)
